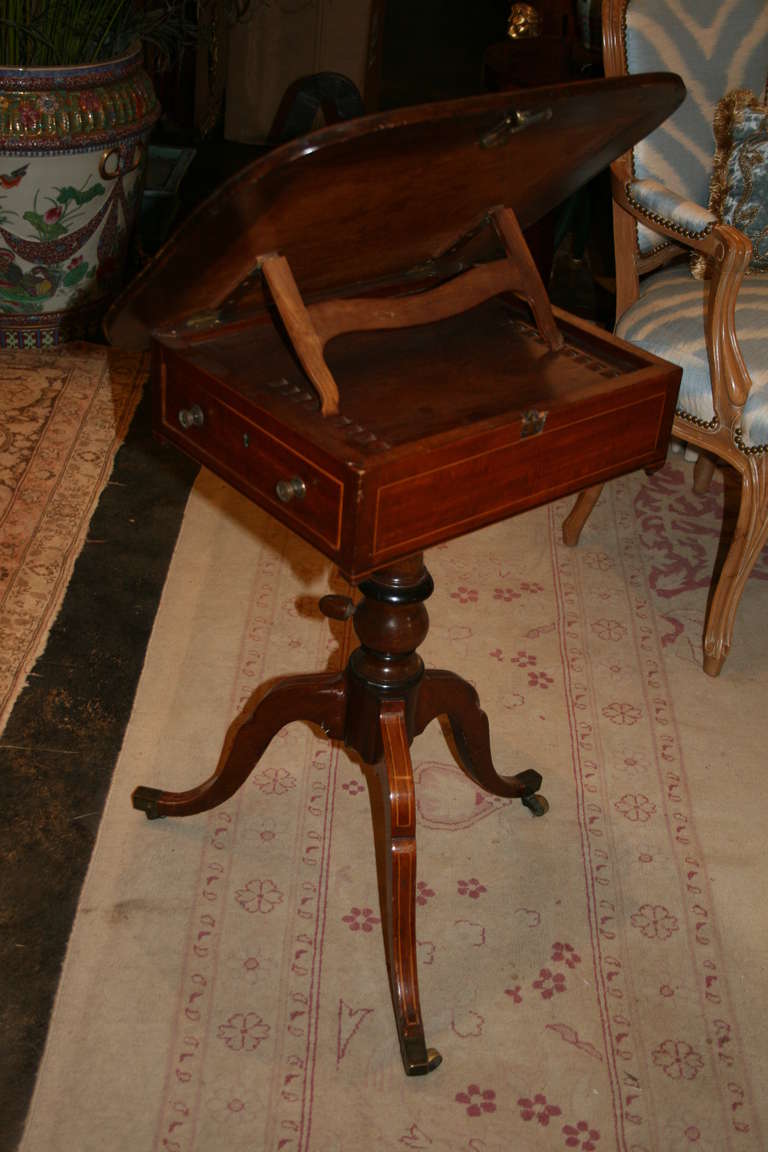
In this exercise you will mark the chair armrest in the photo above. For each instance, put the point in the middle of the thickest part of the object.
(661, 209)
(730, 251)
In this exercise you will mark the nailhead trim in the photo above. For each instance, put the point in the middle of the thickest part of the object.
(748, 449)
(711, 425)
(738, 433)
(656, 218)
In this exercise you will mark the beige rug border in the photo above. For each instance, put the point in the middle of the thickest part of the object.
(177, 601)
(39, 638)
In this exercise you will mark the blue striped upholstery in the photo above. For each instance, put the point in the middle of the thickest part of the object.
(668, 319)
(652, 196)
(715, 45)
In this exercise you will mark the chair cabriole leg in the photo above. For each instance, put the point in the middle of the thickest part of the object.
(579, 514)
(703, 471)
(749, 537)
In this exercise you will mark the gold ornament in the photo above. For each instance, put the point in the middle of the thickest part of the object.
(523, 21)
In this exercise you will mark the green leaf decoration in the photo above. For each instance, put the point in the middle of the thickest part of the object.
(35, 219)
(75, 275)
(68, 194)
(45, 230)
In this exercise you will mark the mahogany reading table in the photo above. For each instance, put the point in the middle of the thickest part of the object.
(352, 332)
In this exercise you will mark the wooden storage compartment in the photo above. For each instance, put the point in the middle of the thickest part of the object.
(411, 459)
(253, 459)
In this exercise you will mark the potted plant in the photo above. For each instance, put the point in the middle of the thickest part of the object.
(76, 110)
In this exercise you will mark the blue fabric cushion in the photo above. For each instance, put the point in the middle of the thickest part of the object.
(714, 46)
(668, 319)
(740, 175)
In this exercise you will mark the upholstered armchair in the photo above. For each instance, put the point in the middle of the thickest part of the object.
(716, 328)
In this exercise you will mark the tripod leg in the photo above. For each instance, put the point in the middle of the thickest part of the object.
(398, 903)
(445, 693)
(318, 698)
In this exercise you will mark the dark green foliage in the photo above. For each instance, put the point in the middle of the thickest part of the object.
(55, 33)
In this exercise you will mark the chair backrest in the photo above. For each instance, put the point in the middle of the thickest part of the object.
(714, 45)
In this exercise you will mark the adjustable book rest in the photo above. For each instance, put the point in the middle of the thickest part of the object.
(354, 334)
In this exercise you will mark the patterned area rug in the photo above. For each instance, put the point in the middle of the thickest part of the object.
(62, 417)
(595, 979)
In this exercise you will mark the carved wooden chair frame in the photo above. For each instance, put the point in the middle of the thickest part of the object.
(719, 439)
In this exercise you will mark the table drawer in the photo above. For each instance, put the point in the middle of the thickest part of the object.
(489, 481)
(284, 481)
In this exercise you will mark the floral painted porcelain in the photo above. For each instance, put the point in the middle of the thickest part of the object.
(72, 161)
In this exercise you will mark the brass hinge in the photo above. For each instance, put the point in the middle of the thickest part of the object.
(513, 123)
(203, 320)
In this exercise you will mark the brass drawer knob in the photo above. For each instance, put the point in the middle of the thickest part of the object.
(191, 417)
(293, 489)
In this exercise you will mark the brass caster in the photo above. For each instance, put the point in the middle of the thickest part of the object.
(145, 800)
(422, 1068)
(537, 804)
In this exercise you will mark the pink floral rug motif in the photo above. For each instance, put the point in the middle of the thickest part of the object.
(63, 414)
(594, 979)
